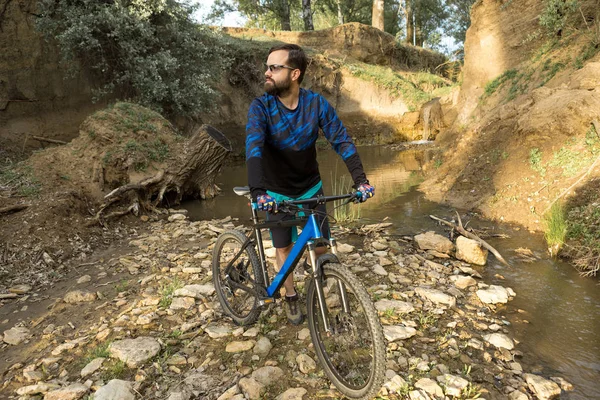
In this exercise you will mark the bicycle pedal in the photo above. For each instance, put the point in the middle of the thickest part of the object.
(267, 301)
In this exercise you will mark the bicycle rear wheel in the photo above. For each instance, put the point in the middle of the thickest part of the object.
(244, 270)
(353, 356)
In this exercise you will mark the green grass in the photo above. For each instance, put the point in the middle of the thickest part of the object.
(20, 180)
(555, 226)
(494, 84)
(116, 369)
(587, 52)
(166, 292)
(535, 161)
(583, 224)
(343, 212)
(100, 351)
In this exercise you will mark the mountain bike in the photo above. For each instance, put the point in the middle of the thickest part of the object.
(343, 323)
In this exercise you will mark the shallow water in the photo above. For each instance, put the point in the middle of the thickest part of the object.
(556, 313)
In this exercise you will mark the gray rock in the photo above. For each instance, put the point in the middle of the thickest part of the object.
(453, 384)
(84, 279)
(252, 332)
(303, 334)
(493, 295)
(292, 394)
(72, 392)
(433, 241)
(37, 388)
(230, 393)
(345, 248)
(182, 303)
(462, 282)
(543, 388)
(16, 335)
(436, 296)
(417, 395)
(179, 396)
(380, 245)
(79, 296)
(92, 367)
(263, 346)
(239, 346)
(134, 352)
(218, 331)
(499, 340)
(196, 291)
(20, 289)
(516, 395)
(430, 387)
(396, 384)
(398, 332)
(399, 307)
(267, 375)
(470, 250)
(305, 363)
(116, 389)
(251, 388)
(379, 270)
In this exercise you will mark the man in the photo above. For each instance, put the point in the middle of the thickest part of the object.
(283, 126)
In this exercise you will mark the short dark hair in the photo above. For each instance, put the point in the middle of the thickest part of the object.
(296, 57)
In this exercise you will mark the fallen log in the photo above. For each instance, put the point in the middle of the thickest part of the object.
(13, 209)
(460, 229)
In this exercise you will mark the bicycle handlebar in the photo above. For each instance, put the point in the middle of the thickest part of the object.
(318, 199)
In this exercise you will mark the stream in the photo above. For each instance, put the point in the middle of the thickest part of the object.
(555, 316)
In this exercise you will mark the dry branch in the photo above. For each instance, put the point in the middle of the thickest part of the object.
(48, 140)
(460, 229)
(12, 209)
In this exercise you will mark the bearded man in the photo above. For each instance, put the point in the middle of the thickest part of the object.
(281, 156)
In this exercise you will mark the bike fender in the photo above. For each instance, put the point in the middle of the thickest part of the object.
(325, 259)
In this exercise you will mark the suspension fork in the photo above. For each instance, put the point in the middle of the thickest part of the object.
(341, 285)
(259, 245)
(319, 286)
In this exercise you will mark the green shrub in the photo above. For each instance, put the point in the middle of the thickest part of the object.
(149, 51)
(555, 15)
(556, 227)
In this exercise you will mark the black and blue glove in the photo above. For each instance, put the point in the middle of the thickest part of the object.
(265, 202)
(364, 192)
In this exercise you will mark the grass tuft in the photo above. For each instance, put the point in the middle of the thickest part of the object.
(556, 227)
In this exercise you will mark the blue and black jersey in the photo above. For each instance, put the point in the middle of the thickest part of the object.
(280, 144)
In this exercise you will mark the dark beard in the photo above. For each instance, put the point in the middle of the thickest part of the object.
(275, 89)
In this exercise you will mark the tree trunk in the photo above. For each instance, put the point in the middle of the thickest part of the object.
(285, 16)
(190, 173)
(307, 16)
(377, 20)
(340, 13)
(410, 27)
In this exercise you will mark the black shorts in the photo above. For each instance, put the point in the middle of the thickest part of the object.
(283, 237)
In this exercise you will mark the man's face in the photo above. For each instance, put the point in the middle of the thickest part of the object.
(279, 80)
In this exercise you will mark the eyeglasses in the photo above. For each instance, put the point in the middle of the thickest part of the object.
(277, 67)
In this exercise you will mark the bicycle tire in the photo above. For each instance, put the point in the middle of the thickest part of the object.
(240, 305)
(357, 372)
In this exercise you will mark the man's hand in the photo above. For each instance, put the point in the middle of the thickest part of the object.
(266, 203)
(365, 191)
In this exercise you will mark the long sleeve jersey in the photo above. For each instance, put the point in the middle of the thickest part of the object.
(281, 154)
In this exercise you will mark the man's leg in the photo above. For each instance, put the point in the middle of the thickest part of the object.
(280, 256)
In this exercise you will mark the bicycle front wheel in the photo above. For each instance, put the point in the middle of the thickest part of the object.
(236, 276)
(353, 355)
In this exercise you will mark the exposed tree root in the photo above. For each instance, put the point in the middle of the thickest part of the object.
(585, 259)
(460, 229)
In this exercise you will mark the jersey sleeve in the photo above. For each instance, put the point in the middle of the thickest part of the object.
(335, 132)
(256, 129)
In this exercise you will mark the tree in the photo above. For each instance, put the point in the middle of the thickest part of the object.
(459, 19)
(307, 16)
(270, 14)
(378, 14)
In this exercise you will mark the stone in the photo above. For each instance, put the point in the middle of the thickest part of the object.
(16, 335)
(115, 389)
(470, 250)
(263, 347)
(79, 296)
(436, 296)
(305, 363)
(92, 367)
(417, 395)
(433, 241)
(252, 332)
(292, 394)
(195, 291)
(462, 282)
(379, 270)
(182, 303)
(398, 332)
(134, 352)
(543, 388)
(37, 388)
(84, 279)
(380, 245)
(399, 307)
(33, 376)
(217, 331)
(493, 295)
(230, 393)
(453, 384)
(72, 392)
(267, 375)
(430, 387)
(345, 248)
(239, 347)
(396, 384)
(179, 396)
(303, 334)
(516, 395)
(499, 340)
(251, 388)
(20, 289)
(146, 319)
(177, 217)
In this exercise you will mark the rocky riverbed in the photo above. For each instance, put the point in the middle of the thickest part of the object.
(147, 325)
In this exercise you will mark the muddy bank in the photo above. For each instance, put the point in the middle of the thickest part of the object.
(149, 316)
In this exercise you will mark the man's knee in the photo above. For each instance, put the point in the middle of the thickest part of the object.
(284, 250)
